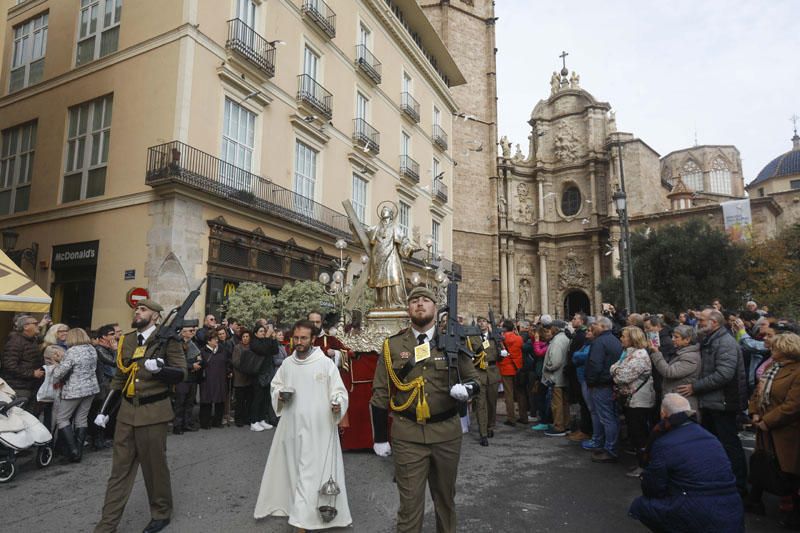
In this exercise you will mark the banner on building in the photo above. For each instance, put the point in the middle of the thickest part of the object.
(738, 221)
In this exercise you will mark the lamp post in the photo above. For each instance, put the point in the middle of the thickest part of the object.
(620, 202)
(336, 285)
(429, 261)
(30, 254)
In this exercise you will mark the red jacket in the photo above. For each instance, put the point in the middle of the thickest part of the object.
(509, 365)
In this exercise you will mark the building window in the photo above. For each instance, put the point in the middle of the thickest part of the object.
(720, 177)
(407, 83)
(362, 106)
(571, 201)
(405, 144)
(692, 176)
(436, 231)
(437, 116)
(88, 140)
(405, 218)
(305, 176)
(246, 12)
(238, 140)
(16, 167)
(793, 185)
(364, 35)
(435, 169)
(310, 63)
(761, 190)
(98, 29)
(30, 46)
(360, 197)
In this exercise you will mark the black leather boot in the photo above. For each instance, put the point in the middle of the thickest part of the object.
(67, 438)
(80, 437)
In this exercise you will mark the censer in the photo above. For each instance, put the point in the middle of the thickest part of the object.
(330, 489)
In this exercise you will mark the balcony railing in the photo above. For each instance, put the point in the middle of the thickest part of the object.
(243, 40)
(440, 191)
(322, 15)
(178, 163)
(409, 106)
(315, 95)
(368, 63)
(409, 168)
(439, 137)
(365, 136)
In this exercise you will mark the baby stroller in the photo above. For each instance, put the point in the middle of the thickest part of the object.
(19, 431)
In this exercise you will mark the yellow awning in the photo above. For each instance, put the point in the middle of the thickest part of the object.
(17, 292)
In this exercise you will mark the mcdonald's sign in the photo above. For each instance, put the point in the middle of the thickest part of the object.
(229, 289)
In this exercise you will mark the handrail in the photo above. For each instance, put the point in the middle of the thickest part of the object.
(322, 15)
(368, 63)
(439, 136)
(317, 96)
(409, 106)
(409, 167)
(252, 46)
(366, 136)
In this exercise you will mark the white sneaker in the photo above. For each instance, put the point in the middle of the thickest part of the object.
(265, 425)
(256, 426)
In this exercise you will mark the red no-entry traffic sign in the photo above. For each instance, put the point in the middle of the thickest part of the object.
(135, 295)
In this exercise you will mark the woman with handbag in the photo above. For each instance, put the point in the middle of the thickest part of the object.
(775, 411)
(632, 376)
(54, 346)
(77, 373)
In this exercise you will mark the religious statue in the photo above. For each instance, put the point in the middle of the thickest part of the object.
(574, 81)
(518, 154)
(555, 83)
(386, 246)
(524, 294)
(505, 146)
(502, 207)
(566, 143)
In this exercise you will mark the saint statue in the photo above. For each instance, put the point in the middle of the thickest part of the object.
(555, 83)
(505, 146)
(387, 245)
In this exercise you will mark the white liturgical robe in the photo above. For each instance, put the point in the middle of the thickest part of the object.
(305, 449)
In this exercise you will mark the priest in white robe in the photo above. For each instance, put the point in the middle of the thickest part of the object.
(305, 451)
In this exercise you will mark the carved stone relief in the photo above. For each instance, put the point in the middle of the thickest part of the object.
(522, 190)
(566, 143)
(572, 273)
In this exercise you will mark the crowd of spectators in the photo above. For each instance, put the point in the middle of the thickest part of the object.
(661, 387)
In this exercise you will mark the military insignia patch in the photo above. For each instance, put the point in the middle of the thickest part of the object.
(405, 355)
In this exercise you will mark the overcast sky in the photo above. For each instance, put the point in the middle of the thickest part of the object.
(729, 69)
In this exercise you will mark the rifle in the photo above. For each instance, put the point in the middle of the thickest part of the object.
(170, 328)
(494, 331)
(453, 340)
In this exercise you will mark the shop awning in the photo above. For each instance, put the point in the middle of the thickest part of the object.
(17, 292)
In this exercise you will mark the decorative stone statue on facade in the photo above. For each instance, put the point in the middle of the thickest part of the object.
(574, 81)
(572, 274)
(555, 83)
(505, 147)
(518, 156)
(565, 143)
(524, 295)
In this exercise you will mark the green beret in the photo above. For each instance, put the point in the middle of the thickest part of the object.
(421, 291)
(150, 304)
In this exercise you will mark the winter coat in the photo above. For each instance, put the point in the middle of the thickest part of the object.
(689, 485)
(53, 354)
(214, 386)
(579, 360)
(722, 384)
(604, 353)
(634, 371)
(21, 357)
(782, 416)
(511, 364)
(682, 369)
(77, 372)
(239, 379)
(106, 367)
(266, 348)
(556, 359)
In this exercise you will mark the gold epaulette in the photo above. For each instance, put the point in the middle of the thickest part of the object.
(416, 386)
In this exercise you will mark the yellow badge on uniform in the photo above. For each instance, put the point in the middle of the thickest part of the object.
(422, 352)
(139, 353)
(486, 344)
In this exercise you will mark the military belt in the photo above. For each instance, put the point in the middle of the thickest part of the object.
(439, 417)
(148, 399)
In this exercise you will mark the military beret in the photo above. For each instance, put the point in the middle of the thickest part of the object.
(150, 304)
(421, 291)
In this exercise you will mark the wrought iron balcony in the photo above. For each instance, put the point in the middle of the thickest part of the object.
(322, 15)
(243, 40)
(439, 137)
(315, 95)
(366, 137)
(409, 106)
(440, 191)
(176, 163)
(409, 168)
(368, 63)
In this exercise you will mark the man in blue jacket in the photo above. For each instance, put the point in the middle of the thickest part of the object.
(687, 484)
(606, 350)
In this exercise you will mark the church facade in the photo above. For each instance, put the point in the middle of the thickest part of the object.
(559, 232)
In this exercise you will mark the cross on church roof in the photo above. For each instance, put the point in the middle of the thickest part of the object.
(794, 118)
(563, 57)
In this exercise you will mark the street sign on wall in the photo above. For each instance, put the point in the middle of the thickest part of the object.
(135, 295)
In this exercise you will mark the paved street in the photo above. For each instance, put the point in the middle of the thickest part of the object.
(521, 483)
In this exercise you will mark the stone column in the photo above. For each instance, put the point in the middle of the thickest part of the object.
(592, 192)
(543, 282)
(503, 280)
(597, 255)
(613, 240)
(512, 281)
(541, 199)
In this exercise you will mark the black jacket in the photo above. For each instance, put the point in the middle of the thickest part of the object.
(606, 350)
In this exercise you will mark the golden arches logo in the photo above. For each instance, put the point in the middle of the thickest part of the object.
(229, 289)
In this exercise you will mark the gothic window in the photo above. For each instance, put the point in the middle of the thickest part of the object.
(571, 201)
(692, 176)
(720, 177)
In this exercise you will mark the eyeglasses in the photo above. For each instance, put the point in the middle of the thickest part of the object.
(62, 331)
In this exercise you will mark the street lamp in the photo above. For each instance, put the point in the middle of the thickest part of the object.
(620, 202)
(430, 262)
(30, 254)
(336, 285)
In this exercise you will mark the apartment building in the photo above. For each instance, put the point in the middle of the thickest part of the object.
(152, 143)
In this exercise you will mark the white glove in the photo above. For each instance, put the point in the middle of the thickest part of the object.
(459, 392)
(382, 449)
(503, 353)
(101, 420)
(154, 365)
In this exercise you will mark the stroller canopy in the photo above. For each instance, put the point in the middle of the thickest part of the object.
(17, 292)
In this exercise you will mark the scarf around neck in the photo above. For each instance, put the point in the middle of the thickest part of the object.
(766, 384)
